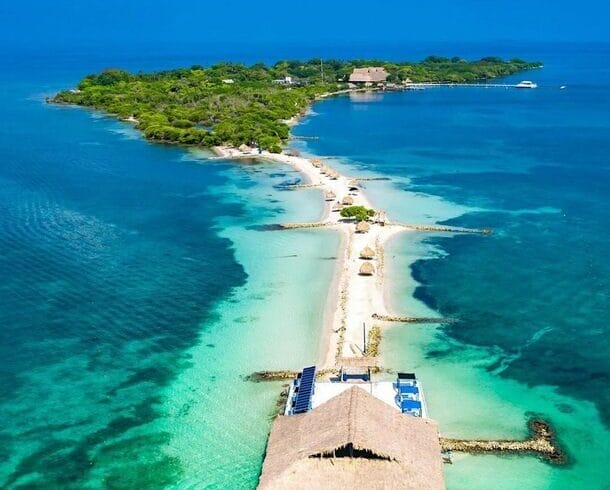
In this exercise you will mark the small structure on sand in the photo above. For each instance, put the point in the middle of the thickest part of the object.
(367, 253)
(353, 440)
(366, 269)
(316, 162)
(362, 227)
(245, 149)
(347, 201)
(329, 196)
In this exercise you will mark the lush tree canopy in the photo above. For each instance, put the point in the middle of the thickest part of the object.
(230, 103)
(359, 213)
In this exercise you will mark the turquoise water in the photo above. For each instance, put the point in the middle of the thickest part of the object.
(138, 292)
(139, 287)
(533, 297)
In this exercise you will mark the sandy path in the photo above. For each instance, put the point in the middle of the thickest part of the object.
(353, 298)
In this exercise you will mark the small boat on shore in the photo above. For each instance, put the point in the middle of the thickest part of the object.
(526, 84)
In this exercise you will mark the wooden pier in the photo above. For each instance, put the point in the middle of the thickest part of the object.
(447, 229)
(449, 84)
(294, 187)
(294, 226)
(413, 319)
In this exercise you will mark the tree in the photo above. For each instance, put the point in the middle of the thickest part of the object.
(359, 213)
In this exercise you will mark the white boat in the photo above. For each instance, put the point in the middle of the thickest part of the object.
(526, 84)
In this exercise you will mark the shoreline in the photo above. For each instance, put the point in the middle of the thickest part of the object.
(353, 298)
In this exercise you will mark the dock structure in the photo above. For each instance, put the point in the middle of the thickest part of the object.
(413, 319)
(353, 440)
(450, 84)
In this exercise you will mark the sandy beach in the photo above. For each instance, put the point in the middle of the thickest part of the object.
(353, 298)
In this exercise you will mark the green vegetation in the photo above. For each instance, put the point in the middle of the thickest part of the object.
(359, 213)
(236, 104)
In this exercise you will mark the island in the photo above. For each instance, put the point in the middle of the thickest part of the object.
(233, 104)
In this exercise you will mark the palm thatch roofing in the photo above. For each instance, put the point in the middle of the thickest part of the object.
(367, 253)
(362, 227)
(316, 163)
(369, 74)
(367, 269)
(353, 440)
(347, 201)
(245, 148)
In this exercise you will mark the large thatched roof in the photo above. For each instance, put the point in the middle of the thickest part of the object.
(367, 269)
(369, 74)
(353, 441)
(347, 201)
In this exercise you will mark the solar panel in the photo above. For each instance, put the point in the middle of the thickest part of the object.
(303, 401)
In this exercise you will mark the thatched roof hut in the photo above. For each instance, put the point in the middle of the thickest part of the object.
(324, 169)
(316, 163)
(330, 196)
(333, 174)
(366, 269)
(362, 227)
(353, 441)
(245, 149)
(369, 74)
(347, 201)
(367, 253)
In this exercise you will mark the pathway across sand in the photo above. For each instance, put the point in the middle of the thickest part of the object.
(354, 297)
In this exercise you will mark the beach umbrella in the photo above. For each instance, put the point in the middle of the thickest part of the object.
(347, 201)
(362, 227)
(367, 269)
(367, 253)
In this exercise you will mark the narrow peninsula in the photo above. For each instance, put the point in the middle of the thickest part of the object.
(338, 428)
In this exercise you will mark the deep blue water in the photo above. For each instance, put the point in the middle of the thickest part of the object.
(536, 166)
(103, 287)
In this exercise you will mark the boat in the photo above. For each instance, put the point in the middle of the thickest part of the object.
(526, 84)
